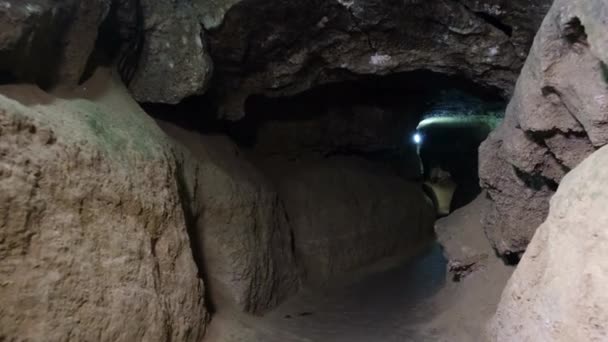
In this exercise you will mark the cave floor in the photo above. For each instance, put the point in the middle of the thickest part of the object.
(410, 302)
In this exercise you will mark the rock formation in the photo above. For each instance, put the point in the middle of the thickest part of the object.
(63, 32)
(557, 117)
(282, 48)
(348, 213)
(93, 238)
(558, 291)
(241, 235)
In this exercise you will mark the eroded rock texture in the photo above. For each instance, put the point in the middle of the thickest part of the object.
(285, 47)
(241, 234)
(557, 117)
(558, 291)
(93, 240)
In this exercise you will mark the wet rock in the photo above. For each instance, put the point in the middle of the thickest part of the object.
(93, 235)
(242, 238)
(349, 213)
(557, 292)
(556, 118)
(256, 50)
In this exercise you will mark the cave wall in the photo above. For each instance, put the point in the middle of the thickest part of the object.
(557, 117)
(93, 236)
(240, 231)
(145, 236)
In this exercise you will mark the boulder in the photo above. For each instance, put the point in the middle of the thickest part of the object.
(557, 116)
(558, 291)
(174, 63)
(348, 213)
(240, 230)
(93, 235)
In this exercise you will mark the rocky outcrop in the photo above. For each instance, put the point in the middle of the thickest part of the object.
(556, 118)
(93, 235)
(285, 47)
(557, 292)
(241, 234)
(348, 213)
(174, 63)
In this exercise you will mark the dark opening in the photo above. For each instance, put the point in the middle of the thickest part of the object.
(574, 32)
(604, 69)
(120, 41)
(374, 118)
(7, 77)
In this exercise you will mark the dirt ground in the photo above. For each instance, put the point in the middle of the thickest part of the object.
(415, 301)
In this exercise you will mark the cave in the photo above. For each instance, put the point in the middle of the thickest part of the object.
(323, 170)
(338, 155)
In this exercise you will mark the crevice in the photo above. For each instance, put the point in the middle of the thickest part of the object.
(190, 220)
(536, 181)
(357, 25)
(490, 20)
(574, 32)
(511, 258)
(604, 69)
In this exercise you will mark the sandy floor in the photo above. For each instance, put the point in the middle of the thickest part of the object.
(412, 302)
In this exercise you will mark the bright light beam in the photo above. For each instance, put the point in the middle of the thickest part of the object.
(417, 138)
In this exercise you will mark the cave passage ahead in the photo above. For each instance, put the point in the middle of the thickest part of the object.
(349, 164)
(380, 119)
(448, 146)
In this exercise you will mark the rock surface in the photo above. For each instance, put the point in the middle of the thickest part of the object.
(463, 241)
(285, 47)
(348, 213)
(242, 236)
(558, 291)
(557, 117)
(63, 32)
(174, 63)
(159, 45)
(93, 236)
